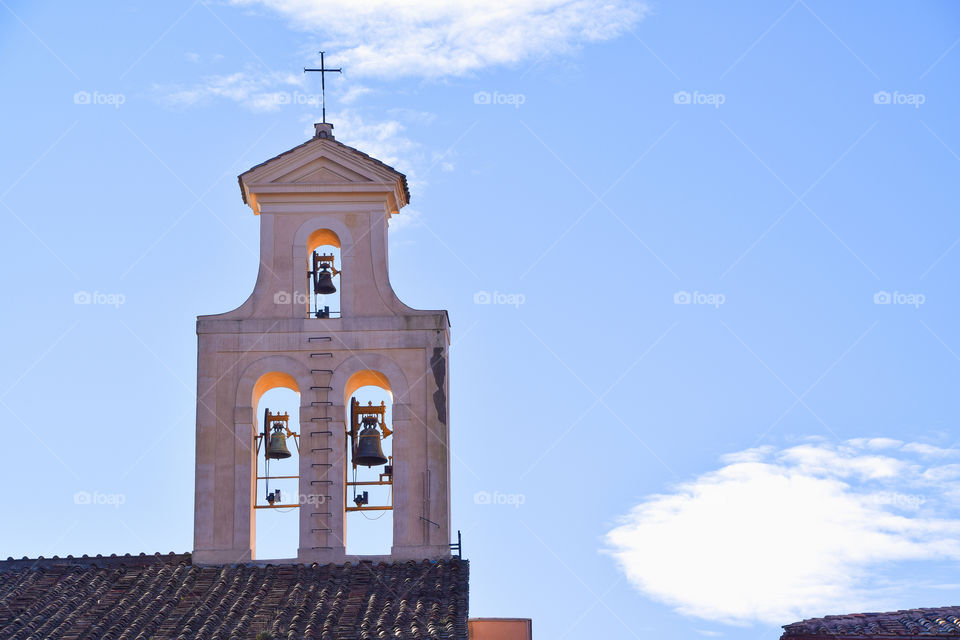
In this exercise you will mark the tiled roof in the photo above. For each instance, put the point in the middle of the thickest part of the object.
(168, 598)
(909, 623)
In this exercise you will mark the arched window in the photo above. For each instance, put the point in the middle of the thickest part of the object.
(369, 483)
(277, 492)
(323, 274)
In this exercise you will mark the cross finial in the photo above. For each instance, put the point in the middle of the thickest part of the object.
(323, 85)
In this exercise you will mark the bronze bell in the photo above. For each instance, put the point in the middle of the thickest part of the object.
(369, 453)
(323, 282)
(278, 446)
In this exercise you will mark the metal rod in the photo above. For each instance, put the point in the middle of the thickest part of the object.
(370, 509)
(277, 506)
(458, 545)
(369, 482)
(276, 477)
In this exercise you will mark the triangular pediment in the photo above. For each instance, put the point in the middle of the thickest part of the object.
(322, 171)
(321, 161)
(324, 166)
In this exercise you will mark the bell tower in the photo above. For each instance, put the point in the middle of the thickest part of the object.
(323, 321)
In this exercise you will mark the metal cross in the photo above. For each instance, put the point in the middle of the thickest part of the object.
(323, 85)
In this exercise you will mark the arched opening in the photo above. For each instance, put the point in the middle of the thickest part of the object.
(369, 523)
(276, 515)
(324, 281)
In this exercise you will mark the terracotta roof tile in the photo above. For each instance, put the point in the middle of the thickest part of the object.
(909, 623)
(168, 598)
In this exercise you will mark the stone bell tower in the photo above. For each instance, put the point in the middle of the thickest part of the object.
(322, 193)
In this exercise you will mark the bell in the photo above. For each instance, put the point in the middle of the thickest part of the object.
(278, 447)
(369, 453)
(323, 283)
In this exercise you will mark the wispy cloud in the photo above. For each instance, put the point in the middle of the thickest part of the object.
(437, 38)
(254, 90)
(776, 535)
(406, 38)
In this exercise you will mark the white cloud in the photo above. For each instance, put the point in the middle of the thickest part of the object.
(778, 535)
(929, 449)
(437, 38)
(820, 460)
(876, 443)
(353, 93)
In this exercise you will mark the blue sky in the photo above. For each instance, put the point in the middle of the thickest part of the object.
(701, 263)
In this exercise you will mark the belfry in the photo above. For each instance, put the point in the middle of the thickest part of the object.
(364, 431)
(323, 321)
